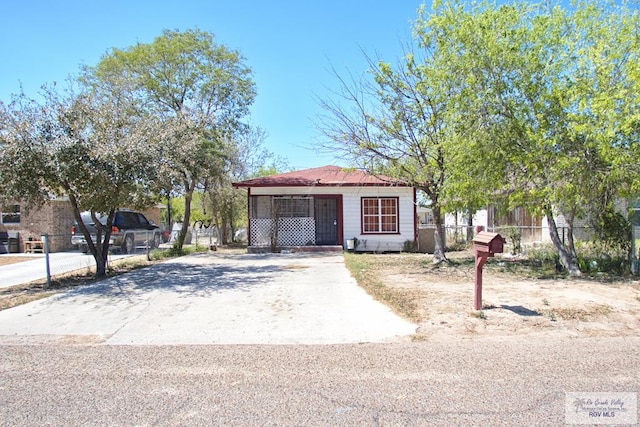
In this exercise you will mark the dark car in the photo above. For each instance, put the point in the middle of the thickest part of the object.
(130, 230)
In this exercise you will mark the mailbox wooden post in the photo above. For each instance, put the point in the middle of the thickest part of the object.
(485, 245)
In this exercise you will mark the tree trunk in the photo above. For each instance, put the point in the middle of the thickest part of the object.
(571, 244)
(101, 262)
(469, 225)
(187, 216)
(438, 252)
(568, 260)
(224, 236)
(99, 249)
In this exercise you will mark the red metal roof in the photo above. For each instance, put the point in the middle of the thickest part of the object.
(327, 176)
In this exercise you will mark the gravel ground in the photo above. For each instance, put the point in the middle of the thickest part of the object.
(479, 381)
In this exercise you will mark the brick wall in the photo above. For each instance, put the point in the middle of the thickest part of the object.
(55, 218)
(153, 214)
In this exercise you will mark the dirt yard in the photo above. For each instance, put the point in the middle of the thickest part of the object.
(7, 260)
(440, 299)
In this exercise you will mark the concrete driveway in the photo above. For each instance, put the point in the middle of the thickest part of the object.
(214, 299)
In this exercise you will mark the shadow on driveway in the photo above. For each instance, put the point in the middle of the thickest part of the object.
(181, 278)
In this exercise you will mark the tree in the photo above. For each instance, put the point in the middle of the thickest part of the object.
(393, 125)
(250, 159)
(200, 89)
(547, 101)
(87, 147)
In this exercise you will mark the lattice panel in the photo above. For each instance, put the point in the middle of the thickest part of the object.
(291, 231)
(296, 231)
(261, 231)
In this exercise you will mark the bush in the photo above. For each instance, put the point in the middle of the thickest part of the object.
(409, 246)
(593, 257)
(514, 237)
(600, 257)
(542, 254)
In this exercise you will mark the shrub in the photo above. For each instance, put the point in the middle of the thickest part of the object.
(601, 257)
(409, 246)
(542, 254)
(514, 237)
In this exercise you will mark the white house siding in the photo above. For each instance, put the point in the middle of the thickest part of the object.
(351, 200)
(378, 242)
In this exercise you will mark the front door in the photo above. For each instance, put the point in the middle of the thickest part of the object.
(326, 213)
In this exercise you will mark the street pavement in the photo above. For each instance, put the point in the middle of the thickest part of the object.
(474, 382)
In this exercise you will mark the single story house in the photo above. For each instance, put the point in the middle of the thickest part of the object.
(329, 208)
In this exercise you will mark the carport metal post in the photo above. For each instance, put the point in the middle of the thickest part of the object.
(45, 242)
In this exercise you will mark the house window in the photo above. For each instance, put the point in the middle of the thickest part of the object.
(11, 214)
(260, 206)
(293, 207)
(281, 207)
(379, 215)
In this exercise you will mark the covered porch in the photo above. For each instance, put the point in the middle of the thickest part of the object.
(295, 222)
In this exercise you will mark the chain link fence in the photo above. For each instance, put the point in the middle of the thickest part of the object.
(198, 235)
(54, 255)
(519, 238)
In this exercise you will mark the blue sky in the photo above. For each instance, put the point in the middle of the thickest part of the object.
(289, 44)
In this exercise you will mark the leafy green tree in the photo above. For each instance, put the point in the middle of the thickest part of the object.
(393, 124)
(546, 101)
(228, 205)
(83, 146)
(200, 89)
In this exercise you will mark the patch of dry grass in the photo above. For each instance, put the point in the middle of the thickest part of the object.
(294, 267)
(580, 314)
(364, 269)
(404, 282)
(25, 293)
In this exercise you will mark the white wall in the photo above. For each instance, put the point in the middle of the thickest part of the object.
(480, 217)
(378, 242)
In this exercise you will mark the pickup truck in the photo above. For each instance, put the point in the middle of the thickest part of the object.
(130, 229)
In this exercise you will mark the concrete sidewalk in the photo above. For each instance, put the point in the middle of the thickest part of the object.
(214, 299)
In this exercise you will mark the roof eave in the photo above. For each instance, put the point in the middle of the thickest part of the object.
(366, 184)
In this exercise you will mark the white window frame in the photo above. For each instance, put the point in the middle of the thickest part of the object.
(16, 212)
(380, 215)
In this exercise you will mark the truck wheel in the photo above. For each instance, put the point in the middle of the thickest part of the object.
(127, 246)
(156, 241)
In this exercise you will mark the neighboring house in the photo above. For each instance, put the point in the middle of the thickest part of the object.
(531, 228)
(329, 208)
(53, 218)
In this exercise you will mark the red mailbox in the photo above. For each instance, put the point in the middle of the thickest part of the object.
(489, 243)
(485, 244)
